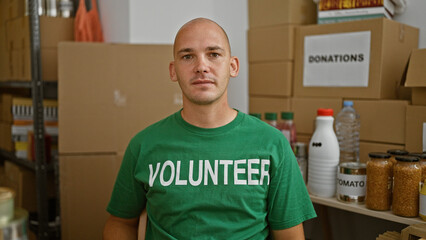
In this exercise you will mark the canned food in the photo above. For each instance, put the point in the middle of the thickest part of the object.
(351, 182)
(7, 196)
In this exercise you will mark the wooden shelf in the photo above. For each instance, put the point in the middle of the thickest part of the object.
(361, 209)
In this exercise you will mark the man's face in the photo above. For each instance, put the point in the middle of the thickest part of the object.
(202, 64)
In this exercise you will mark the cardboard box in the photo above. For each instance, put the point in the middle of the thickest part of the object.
(21, 64)
(416, 77)
(414, 232)
(109, 92)
(382, 120)
(367, 147)
(23, 182)
(305, 111)
(86, 183)
(271, 79)
(52, 31)
(6, 108)
(415, 128)
(6, 136)
(260, 104)
(275, 43)
(275, 12)
(359, 59)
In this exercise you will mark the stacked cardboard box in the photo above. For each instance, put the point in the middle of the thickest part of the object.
(52, 31)
(107, 93)
(270, 50)
(415, 138)
(362, 61)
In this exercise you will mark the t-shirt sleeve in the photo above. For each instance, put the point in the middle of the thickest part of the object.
(289, 203)
(128, 197)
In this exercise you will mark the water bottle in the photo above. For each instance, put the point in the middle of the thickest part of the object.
(323, 157)
(347, 131)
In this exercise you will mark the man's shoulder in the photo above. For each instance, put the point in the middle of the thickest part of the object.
(156, 128)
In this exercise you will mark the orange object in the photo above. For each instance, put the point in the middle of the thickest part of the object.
(87, 25)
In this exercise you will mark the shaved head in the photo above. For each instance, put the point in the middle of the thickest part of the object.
(198, 21)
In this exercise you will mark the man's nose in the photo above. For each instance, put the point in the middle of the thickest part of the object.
(201, 65)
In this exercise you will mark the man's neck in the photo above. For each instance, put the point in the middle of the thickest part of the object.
(208, 116)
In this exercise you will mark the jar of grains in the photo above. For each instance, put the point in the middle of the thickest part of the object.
(396, 152)
(406, 179)
(379, 181)
(422, 163)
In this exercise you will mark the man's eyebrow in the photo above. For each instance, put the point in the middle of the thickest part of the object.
(185, 50)
(214, 48)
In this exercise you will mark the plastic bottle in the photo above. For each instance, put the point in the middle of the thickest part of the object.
(288, 128)
(300, 153)
(347, 132)
(323, 157)
(271, 118)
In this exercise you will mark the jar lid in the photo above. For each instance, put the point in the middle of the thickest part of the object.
(418, 154)
(407, 158)
(325, 112)
(271, 116)
(397, 152)
(379, 155)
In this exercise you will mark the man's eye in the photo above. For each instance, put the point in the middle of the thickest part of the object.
(214, 54)
(187, 57)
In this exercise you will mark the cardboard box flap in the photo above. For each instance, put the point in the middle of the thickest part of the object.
(416, 74)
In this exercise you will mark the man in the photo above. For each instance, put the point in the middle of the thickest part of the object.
(208, 171)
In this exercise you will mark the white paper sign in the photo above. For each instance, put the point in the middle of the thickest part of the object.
(337, 60)
(424, 136)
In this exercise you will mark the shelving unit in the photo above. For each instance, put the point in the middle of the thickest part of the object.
(39, 166)
(361, 209)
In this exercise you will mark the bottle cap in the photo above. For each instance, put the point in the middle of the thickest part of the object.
(398, 152)
(379, 155)
(287, 115)
(270, 116)
(407, 158)
(325, 112)
(419, 155)
(348, 103)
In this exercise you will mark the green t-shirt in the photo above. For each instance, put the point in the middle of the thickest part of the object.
(232, 182)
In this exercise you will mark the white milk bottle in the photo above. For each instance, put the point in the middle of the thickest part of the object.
(323, 157)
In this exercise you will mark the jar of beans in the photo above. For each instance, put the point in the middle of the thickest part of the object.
(396, 152)
(422, 163)
(379, 181)
(407, 175)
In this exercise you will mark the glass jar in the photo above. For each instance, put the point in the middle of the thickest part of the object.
(406, 179)
(396, 152)
(422, 163)
(379, 181)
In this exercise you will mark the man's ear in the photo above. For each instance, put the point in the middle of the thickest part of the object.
(234, 66)
(172, 71)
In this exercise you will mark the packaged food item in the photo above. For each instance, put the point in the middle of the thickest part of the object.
(271, 118)
(422, 163)
(422, 202)
(379, 181)
(396, 152)
(288, 128)
(406, 178)
(351, 182)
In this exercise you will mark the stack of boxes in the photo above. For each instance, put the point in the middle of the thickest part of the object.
(271, 51)
(107, 93)
(363, 61)
(415, 130)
